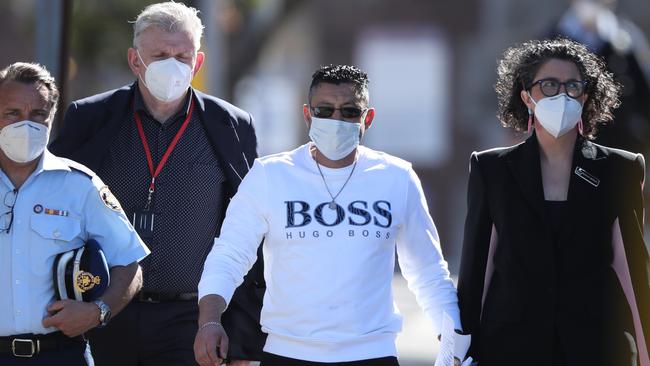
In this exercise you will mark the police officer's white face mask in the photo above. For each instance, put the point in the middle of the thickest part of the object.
(558, 114)
(167, 80)
(335, 139)
(24, 141)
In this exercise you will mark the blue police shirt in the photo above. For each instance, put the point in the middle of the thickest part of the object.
(57, 209)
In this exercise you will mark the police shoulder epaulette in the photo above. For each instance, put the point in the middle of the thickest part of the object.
(104, 193)
(78, 167)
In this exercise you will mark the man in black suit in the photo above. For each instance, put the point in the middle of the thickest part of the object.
(173, 156)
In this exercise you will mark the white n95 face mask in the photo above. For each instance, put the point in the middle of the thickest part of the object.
(335, 139)
(558, 114)
(167, 79)
(24, 141)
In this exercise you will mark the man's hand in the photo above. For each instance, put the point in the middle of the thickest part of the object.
(72, 317)
(207, 339)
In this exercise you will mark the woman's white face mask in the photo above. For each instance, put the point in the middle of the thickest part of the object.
(557, 114)
(24, 141)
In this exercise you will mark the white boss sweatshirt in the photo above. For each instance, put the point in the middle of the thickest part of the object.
(328, 271)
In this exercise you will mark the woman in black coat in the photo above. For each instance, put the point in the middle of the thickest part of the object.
(554, 268)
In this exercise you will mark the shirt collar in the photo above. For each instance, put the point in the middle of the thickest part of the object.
(141, 107)
(46, 162)
(49, 161)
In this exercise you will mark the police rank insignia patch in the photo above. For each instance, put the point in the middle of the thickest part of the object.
(86, 281)
(109, 199)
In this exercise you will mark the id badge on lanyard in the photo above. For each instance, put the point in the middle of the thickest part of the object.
(143, 219)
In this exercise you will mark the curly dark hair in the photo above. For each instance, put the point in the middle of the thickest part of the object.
(341, 74)
(519, 65)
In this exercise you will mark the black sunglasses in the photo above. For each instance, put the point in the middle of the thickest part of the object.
(7, 218)
(346, 112)
(550, 87)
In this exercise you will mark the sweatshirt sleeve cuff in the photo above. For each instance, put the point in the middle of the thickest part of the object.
(208, 286)
(436, 318)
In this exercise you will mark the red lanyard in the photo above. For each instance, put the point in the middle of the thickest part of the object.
(170, 148)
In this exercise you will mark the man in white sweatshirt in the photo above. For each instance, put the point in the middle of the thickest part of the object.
(332, 214)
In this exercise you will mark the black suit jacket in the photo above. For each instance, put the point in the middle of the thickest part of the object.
(91, 125)
(538, 290)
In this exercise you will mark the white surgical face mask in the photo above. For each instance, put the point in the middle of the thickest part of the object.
(335, 139)
(24, 141)
(558, 114)
(167, 79)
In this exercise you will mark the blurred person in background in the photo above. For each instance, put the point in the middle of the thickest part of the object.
(173, 156)
(554, 269)
(332, 213)
(625, 50)
(50, 206)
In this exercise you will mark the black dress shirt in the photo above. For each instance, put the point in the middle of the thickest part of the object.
(187, 216)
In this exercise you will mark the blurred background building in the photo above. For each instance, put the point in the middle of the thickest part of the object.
(431, 65)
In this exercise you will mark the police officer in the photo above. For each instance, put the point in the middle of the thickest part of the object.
(51, 205)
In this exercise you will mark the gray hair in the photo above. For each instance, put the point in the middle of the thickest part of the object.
(32, 73)
(172, 17)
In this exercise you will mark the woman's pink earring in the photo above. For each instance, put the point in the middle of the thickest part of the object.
(530, 121)
(581, 129)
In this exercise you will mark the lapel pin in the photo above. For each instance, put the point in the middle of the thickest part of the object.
(587, 176)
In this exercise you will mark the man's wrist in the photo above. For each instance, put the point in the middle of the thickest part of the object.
(210, 309)
(104, 312)
(210, 324)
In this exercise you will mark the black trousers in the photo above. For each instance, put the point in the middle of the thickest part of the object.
(71, 356)
(146, 334)
(269, 359)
